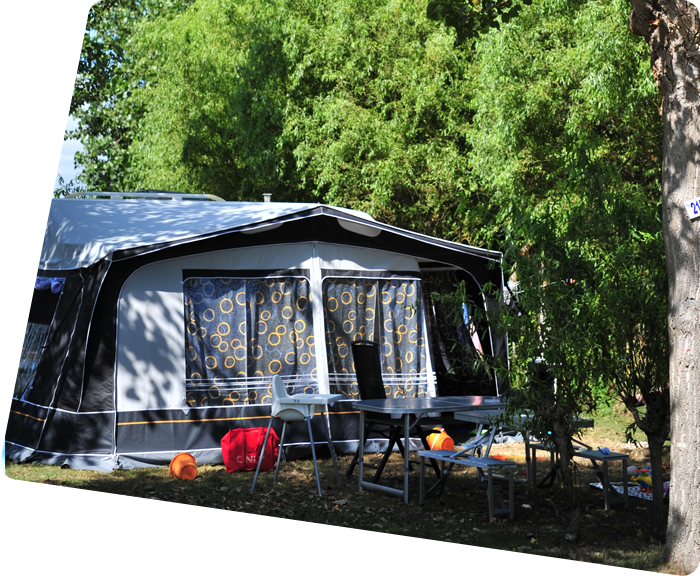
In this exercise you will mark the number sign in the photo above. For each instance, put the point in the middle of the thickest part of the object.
(692, 207)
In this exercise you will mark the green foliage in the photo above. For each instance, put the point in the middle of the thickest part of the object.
(475, 18)
(215, 105)
(387, 132)
(567, 140)
(360, 104)
(106, 114)
(67, 188)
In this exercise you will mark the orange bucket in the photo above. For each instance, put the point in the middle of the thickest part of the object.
(184, 466)
(440, 440)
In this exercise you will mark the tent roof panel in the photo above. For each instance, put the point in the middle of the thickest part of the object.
(80, 233)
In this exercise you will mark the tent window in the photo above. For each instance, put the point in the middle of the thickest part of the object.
(239, 332)
(454, 345)
(387, 311)
(29, 341)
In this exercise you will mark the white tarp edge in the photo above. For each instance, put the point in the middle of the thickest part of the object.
(82, 232)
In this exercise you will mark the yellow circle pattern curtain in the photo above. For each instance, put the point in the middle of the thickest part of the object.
(242, 331)
(387, 311)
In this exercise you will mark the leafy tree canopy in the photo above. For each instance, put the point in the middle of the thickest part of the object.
(567, 140)
(61, 55)
(475, 18)
(362, 104)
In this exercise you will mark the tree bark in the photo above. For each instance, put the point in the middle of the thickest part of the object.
(562, 423)
(655, 423)
(671, 28)
(564, 449)
(657, 516)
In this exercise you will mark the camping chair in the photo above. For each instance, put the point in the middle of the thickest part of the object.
(368, 370)
(297, 408)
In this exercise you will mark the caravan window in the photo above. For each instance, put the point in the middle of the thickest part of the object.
(47, 292)
(242, 331)
(456, 341)
(386, 310)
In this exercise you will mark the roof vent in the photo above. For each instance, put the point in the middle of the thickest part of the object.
(266, 197)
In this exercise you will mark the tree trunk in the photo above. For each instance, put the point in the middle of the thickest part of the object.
(671, 28)
(658, 514)
(564, 448)
(656, 425)
(562, 429)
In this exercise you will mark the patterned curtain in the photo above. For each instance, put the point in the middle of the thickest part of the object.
(240, 332)
(387, 311)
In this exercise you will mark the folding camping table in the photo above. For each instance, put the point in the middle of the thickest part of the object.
(489, 418)
(405, 408)
(476, 453)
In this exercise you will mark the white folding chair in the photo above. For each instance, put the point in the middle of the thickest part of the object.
(297, 408)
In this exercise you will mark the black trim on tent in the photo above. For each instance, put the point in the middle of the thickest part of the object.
(324, 229)
(203, 429)
(47, 420)
(44, 303)
(100, 359)
(77, 389)
(45, 309)
(224, 273)
(25, 423)
(321, 224)
(335, 273)
(57, 431)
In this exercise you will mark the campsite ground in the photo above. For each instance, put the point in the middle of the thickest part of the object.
(617, 537)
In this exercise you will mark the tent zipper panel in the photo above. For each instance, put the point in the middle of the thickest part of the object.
(319, 322)
(53, 401)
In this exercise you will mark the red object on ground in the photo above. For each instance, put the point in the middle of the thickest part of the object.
(241, 449)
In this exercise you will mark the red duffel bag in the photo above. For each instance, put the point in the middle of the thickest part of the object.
(241, 449)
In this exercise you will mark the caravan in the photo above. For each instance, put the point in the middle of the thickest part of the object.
(158, 323)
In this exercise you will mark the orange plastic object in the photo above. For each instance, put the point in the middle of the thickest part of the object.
(184, 466)
(440, 440)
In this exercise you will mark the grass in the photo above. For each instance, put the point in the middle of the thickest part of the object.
(617, 537)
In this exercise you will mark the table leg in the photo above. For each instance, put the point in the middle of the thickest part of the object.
(528, 460)
(489, 488)
(492, 435)
(406, 462)
(330, 445)
(606, 494)
(477, 439)
(422, 479)
(361, 460)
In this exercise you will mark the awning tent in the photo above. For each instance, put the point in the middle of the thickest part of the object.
(156, 325)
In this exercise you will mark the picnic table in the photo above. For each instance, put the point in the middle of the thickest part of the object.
(476, 454)
(411, 411)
